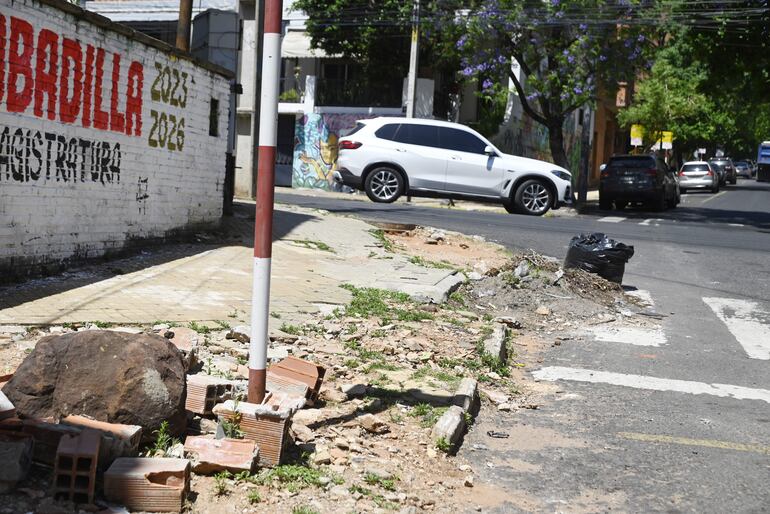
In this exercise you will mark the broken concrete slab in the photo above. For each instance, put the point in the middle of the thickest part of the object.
(75, 467)
(495, 345)
(450, 427)
(7, 410)
(148, 484)
(16, 458)
(205, 391)
(467, 396)
(209, 455)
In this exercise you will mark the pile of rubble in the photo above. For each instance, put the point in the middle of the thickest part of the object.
(368, 401)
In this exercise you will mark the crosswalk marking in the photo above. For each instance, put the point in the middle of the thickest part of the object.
(707, 443)
(638, 336)
(742, 320)
(612, 219)
(554, 373)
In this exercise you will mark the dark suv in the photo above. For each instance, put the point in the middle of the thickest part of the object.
(638, 179)
(726, 170)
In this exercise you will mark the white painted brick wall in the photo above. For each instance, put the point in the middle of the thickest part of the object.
(48, 220)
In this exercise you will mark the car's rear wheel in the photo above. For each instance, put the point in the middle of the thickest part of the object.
(715, 189)
(605, 203)
(620, 205)
(533, 198)
(384, 185)
(659, 204)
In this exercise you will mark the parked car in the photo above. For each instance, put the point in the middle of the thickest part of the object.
(698, 175)
(638, 179)
(390, 157)
(743, 169)
(726, 169)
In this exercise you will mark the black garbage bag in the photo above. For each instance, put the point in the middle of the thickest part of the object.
(596, 253)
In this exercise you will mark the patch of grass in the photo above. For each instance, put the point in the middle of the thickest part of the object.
(201, 329)
(352, 363)
(443, 445)
(313, 245)
(378, 333)
(441, 375)
(384, 366)
(171, 324)
(224, 324)
(163, 440)
(381, 380)
(303, 509)
(380, 236)
(253, 496)
(425, 263)
(369, 302)
(427, 414)
(291, 477)
(459, 298)
(294, 330)
(389, 484)
(102, 324)
(220, 483)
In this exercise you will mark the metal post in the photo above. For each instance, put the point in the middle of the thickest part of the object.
(263, 221)
(585, 159)
(183, 25)
(411, 87)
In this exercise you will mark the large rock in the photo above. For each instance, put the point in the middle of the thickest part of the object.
(133, 379)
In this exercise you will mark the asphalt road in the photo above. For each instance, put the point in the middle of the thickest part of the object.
(678, 424)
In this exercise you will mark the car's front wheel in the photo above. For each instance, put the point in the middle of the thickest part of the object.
(384, 185)
(533, 197)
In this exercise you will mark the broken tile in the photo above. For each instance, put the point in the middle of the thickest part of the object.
(303, 371)
(148, 484)
(209, 455)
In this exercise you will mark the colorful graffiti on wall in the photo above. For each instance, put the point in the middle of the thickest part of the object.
(315, 148)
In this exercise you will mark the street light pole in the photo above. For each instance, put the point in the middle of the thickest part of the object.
(183, 25)
(265, 195)
(411, 91)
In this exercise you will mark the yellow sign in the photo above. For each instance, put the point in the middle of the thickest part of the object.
(666, 141)
(637, 133)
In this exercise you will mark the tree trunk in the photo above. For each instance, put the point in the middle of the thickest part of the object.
(556, 142)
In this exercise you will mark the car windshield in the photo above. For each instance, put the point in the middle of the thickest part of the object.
(631, 162)
(695, 167)
(718, 164)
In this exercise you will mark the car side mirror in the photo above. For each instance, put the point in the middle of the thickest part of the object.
(490, 151)
(602, 167)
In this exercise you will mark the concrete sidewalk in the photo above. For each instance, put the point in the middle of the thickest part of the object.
(212, 280)
(463, 205)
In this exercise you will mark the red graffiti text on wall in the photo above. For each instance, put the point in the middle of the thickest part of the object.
(62, 79)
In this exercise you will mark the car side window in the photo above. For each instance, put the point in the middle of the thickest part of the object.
(414, 134)
(387, 131)
(460, 141)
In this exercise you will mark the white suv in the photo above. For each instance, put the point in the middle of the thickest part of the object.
(390, 157)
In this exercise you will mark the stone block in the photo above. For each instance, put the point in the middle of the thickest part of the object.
(148, 484)
(495, 344)
(209, 455)
(467, 396)
(450, 427)
(16, 458)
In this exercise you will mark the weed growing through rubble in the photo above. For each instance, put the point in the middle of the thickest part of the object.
(222, 323)
(232, 427)
(292, 477)
(381, 365)
(427, 414)
(425, 263)
(294, 330)
(220, 483)
(380, 236)
(312, 245)
(275, 315)
(201, 329)
(163, 440)
(459, 298)
(253, 496)
(443, 445)
(369, 302)
(439, 374)
(303, 509)
(389, 484)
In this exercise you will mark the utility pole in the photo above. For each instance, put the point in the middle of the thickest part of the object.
(411, 87)
(585, 159)
(183, 25)
(265, 196)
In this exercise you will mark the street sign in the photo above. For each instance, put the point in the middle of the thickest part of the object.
(637, 133)
(666, 141)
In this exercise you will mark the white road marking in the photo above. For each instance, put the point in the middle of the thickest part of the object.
(712, 197)
(649, 221)
(740, 317)
(643, 295)
(630, 335)
(555, 373)
(736, 224)
(612, 219)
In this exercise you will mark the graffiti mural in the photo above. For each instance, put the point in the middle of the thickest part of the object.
(315, 148)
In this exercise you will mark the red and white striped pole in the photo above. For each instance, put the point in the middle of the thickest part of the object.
(263, 222)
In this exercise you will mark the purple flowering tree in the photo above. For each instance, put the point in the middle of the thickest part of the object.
(566, 49)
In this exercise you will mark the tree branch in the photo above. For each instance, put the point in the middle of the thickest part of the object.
(524, 102)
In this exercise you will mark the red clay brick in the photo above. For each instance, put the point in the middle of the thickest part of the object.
(148, 484)
(210, 455)
(75, 468)
(303, 371)
(204, 391)
(118, 440)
